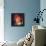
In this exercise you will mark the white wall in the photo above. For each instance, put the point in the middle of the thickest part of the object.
(1, 21)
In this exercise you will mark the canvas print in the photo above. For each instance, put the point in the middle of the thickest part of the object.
(17, 19)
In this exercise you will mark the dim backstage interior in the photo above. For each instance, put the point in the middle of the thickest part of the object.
(23, 23)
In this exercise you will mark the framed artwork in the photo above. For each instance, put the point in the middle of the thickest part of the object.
(17, 19)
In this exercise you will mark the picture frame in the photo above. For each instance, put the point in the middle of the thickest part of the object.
(17, 19)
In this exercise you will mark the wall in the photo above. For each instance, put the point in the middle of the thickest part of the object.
(1, 21)
(43, 6)
(29, 8)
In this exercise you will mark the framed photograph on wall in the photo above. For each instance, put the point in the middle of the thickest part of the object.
(17, 19)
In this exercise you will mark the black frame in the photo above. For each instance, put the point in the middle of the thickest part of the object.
(17, 14)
